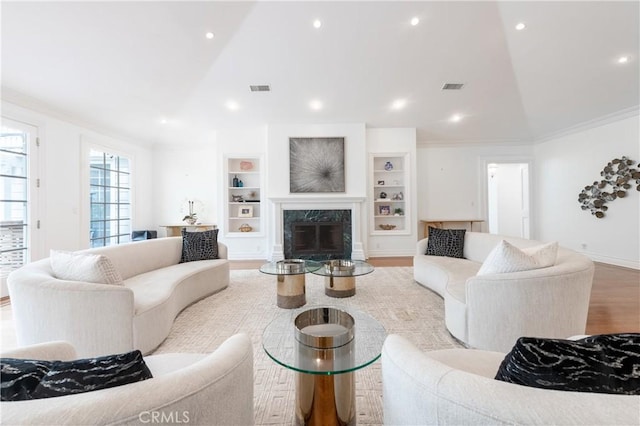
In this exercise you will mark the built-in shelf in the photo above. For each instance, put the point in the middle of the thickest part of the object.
(389, 183)
(244, 204)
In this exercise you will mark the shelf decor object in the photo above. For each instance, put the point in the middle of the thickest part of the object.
(616, 178)
(316, 165)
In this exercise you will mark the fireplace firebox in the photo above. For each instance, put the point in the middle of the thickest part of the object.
(317, 234)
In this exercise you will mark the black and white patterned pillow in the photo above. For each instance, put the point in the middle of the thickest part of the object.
(607, 363)
(21, 377)
(85, 375)
(199, 245)
(445, 242)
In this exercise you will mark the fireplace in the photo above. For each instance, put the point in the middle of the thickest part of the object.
(317, 234)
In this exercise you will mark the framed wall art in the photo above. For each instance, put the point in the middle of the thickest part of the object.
(316, 165)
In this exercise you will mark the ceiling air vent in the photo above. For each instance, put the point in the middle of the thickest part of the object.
(452, 86)
(260, 88)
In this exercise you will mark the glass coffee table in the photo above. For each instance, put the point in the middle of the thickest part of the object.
(325, 382)
(340, 275)
(290, 279)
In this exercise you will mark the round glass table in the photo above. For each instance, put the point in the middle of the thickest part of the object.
(340, 275)
(325, 382)
(291, 280)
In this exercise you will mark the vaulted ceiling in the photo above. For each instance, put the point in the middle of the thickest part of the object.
(146, 71)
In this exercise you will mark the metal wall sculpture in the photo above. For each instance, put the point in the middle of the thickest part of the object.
(617, 177)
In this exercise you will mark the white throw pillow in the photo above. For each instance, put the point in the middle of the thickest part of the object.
(506, 257)
(545, 255)
(92, 268)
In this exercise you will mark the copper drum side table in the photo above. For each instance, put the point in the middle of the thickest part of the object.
(340, 276)
(291, 280)
(325, 346)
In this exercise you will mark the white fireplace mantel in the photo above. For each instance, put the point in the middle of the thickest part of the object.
(320, 200)
(324, 202)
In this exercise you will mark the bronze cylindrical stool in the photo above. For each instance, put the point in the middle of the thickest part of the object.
(291, 284)
(341, 282)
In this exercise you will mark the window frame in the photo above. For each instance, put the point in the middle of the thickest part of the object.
(87, 146)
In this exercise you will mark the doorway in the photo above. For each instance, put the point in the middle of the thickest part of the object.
(508, 199)
(18, 197)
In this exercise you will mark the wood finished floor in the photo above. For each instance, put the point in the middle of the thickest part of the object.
(615, 296)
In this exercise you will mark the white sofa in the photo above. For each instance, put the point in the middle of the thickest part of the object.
(491, 311)
(195, 389)
(456, 387)
(99, 319)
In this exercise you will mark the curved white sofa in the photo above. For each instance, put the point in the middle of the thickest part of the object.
(456, 387)
(198, 389)
(491, 311)
(100, 319)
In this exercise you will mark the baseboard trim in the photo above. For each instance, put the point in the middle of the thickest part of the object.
(625, 263)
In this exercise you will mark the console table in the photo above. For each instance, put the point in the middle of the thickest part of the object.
(176, 230)
(440, 223)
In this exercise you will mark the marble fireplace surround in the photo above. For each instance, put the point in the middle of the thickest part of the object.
(354, 204)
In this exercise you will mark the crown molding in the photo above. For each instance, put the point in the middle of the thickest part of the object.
(22, 100)
(590, 124)
(472, 143)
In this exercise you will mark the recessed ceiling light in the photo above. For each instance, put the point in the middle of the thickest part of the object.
(317, 23)
(163, 121)
(399, 104)
(520, 26)
(209, 35)
(415, 21)
(315, 105)
(455, 118)
(623, 59)
(232, 105)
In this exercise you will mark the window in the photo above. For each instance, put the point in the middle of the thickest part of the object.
(110, 192)
(18, 155)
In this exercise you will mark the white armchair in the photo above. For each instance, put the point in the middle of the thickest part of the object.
(456, 387)
(198, 389)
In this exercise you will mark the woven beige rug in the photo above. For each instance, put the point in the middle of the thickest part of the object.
(249, 303)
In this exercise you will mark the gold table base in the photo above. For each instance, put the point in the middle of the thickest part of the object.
(339, 286)
(325, 400)
(291, 291)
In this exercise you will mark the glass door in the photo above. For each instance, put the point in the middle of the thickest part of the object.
(18, 201)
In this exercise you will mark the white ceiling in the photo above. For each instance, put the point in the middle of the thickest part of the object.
(122, 67)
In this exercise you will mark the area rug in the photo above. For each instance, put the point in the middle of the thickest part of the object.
(249, 303)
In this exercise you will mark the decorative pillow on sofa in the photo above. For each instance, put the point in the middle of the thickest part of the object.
(607, 363)
(199, 245)
(445, 242)
(24, 379)
(505, 257)
(545, 255)
(20, 377)
(85, 375)
(93, 268)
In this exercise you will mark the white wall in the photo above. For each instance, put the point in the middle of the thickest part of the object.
(63, 208)
(565, 166)
(452, 180)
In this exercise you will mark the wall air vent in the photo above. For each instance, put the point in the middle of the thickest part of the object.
(452, 86)
(260, 88)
